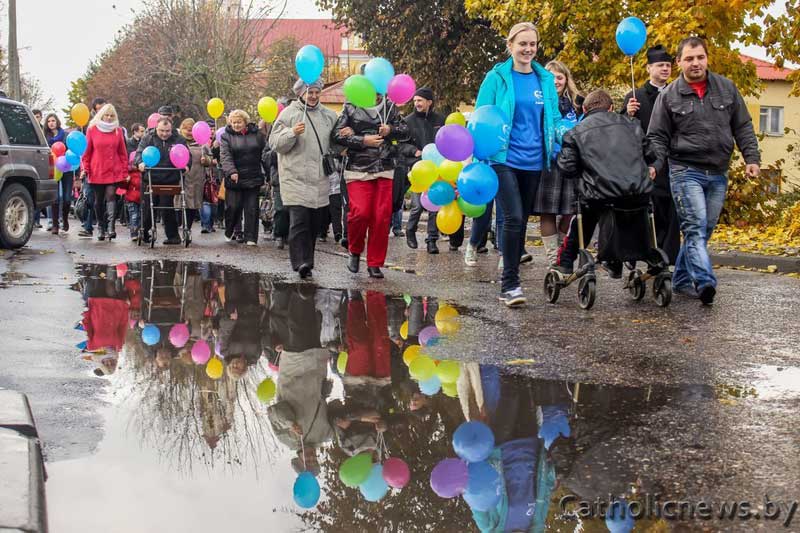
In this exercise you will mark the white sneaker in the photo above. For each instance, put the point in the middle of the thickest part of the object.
(513, 298)
(471, 256)
(250, 243)
(228, 239)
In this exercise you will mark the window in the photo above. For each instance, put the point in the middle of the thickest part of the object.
(771, 120)
(18, 125)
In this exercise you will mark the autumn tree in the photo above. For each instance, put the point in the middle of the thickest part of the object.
(279, 71)
(782, 38)
(436, 42)
(32, 93)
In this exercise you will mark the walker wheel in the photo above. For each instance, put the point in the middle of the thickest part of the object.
(587, 289)
(662, 291)
(636, 286)
(552, 287)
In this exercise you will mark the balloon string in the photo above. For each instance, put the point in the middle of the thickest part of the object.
(633, 80)
(303, 452)
(305, 101)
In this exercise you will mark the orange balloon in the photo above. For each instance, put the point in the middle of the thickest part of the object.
(80, 114)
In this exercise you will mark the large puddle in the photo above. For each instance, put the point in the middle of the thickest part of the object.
(225, 388)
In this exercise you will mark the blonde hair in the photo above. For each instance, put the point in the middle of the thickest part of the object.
(570, 89)
(186, 126)
(98, 117)
(518, 28)
(239, 113)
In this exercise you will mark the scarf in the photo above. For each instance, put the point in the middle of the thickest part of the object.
(107, 127)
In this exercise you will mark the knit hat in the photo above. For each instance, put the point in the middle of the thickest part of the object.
(300, 86)
(425, 92)
(657, 54)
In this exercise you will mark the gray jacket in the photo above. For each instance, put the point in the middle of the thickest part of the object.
(303, 181)
(700, 133)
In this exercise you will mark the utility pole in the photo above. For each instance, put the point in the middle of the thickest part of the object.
(14, 87)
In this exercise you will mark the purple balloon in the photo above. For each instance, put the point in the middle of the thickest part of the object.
(219, 133)
(62, 164)
(455, 142)
(427, 204)
(449, 478)
(428, 335)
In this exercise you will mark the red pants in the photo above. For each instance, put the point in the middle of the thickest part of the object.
(368, 351)
(370, 209)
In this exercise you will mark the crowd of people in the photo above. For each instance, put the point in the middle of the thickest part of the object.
(315, 169)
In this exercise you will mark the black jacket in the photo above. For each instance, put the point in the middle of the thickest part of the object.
(646, 95)
(362, 158)
(422, 129)
(131, 144)
(162, 177)
(241, 153)
(700, 133)
(609, 153)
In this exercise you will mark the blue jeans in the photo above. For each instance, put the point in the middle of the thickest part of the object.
(207, 216)
(397, 221)
(64, 196)
(134, 217)
(514, 200)
(699, 196)
(89, 192)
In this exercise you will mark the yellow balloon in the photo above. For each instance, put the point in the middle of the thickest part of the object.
(341, 362)
(422, 368)
(417, 188)
(268, 109)
(80, 114)
(424, 173)
(215, 108)
(456, 118)
(411, 353)
(450, 390)
(448, 371)
(404, 330)
(214, 368)
(448, 219)
(447, 320)
(449, 170)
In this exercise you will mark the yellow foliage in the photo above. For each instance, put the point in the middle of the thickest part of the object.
(781, 238)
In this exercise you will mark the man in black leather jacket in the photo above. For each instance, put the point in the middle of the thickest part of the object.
(693, 128)
(606, 152)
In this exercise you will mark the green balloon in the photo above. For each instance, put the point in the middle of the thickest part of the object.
(266, 391)
(407, 299)
(359, 91)
(356, 469)
(470, 210)
(341, 362)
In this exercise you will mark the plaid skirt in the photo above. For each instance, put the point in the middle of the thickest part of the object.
(555, 195)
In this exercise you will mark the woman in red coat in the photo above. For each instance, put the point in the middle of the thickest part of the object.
(106, 163)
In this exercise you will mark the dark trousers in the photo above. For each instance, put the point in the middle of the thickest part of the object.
(568, 250)
(457, 238)
(332, 216)
(345, 205)
(481, 226)
(668, 229)
(413, 219)
(514, 199)
(280, 221)
(104, 195)
(238, 202)
(304, 226)
(167, 215)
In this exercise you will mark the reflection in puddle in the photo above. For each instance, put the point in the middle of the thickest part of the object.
(192, 352)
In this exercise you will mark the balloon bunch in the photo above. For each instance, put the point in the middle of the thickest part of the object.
(471, 475)
(452, 177)
(374, 479)
(68, 158)
(379, 77)
(431, 374)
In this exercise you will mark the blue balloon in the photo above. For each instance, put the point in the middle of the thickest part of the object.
(473, 441)
(478, 183)
(151, 156)
(306, 490)
(429, 387)
(76, 141)
(151, 335)
(72, 158)
(309, 63)
(490, 129)
(483, 488)
(375, 487)
(618, 518)
(555, 423)
(431, 153)
(380, 72)
(631, 35)
(441, 193)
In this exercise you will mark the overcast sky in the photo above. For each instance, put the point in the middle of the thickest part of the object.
(57, 39)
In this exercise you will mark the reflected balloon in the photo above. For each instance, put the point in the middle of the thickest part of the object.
(201, 352)
(355, 470)
(422, 368)
(484, 487)
(449, 478)
(151, 335)
(306, 490)
(266, 391)
(179, 335)
(396, 472)
(430, 386)
(473, 441)
(375, 487)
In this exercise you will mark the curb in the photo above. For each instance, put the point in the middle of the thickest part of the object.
(785, 265)
(22, 473)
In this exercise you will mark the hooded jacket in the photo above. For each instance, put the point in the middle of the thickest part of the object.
(609, 153)
(498, 89)
(361, 158)
(169, 175)
(240, 154)
(422, 129)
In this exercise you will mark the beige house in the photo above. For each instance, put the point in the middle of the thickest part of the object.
(773, 111)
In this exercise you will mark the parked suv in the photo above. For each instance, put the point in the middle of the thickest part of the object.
(26, 173)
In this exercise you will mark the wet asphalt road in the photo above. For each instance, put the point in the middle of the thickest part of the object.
(727, 378)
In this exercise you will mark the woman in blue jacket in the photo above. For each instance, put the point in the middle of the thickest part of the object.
(526, 92)
(54, 133)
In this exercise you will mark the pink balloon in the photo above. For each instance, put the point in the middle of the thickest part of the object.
(201, 352)
(201, 132)
(396, 473)
(131, 157)
(281, 107)
(179, 156)
(122, 269)
(427, 204)
(152, 120)
(179, 335)
(401, 89)
(219, 133)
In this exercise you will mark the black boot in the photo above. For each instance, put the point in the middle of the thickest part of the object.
(65, 217)
(375, 272)
(353, 263)
(432, 248)
(111, 216)
(411, 240)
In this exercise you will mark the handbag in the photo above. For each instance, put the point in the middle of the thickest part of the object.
(80, 207)
(328, 160)
(221, 192)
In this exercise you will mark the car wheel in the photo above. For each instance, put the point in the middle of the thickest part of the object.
(16, 216)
